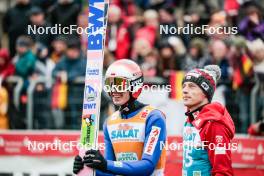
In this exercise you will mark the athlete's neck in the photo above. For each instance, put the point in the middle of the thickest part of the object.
(197, 106)
(130, 106)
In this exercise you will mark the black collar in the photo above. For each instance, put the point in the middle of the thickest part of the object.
(193, 114)
(129, 107)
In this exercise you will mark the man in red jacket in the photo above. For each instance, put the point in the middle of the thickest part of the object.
(208, 129)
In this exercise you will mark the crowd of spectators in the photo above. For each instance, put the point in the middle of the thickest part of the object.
(133, 32)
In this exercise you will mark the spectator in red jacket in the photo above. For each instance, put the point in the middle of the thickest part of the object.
(128, 7)
(6, 66)
(209, 128)
(151, 24)
(118, 34)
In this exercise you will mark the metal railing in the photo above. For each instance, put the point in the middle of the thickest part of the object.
(17, 90)
(30, 100)
(259, 80)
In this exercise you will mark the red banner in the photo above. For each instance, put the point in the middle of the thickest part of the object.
(249, 152)
(38, 143)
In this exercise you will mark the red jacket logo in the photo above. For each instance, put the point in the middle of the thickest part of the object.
(219, 139)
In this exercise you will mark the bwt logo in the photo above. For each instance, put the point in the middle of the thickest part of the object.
(95, 39)
(89, 106)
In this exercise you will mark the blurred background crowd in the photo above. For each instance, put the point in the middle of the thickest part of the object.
(41, 75)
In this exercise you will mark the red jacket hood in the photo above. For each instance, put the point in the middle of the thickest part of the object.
(215, 112)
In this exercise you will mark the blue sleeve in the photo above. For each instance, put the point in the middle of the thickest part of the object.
(109, 151)
(151, 154)
(100, 173)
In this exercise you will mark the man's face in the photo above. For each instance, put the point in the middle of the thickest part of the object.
(21, 49)
(37, 19)
(166, 53)
(114, 14)
(194, 52)
(120, 98)
(219, 50)
(193, 95)
(73, 53)
(59, 46)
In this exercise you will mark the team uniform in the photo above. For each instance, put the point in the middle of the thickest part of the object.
(134, 135)
(208, 130)
(211, 124)
(133, 143)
